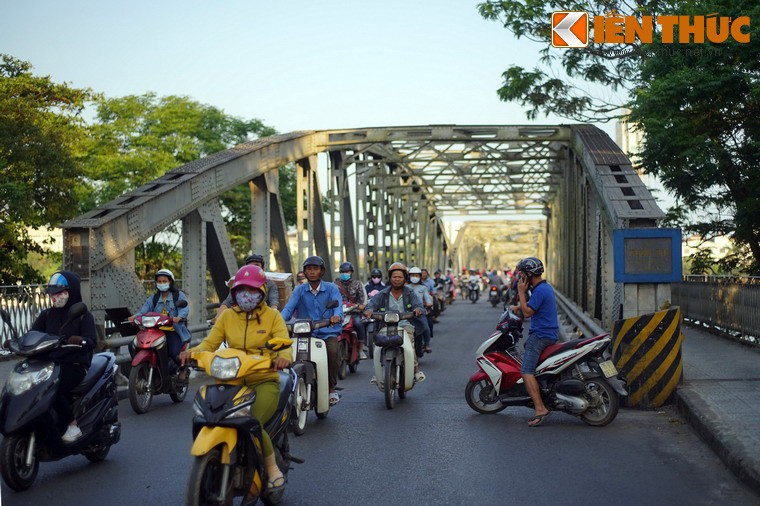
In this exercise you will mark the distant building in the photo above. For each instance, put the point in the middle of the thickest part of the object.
(43, 237)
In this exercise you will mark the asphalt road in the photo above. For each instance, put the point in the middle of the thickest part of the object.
(431, 449)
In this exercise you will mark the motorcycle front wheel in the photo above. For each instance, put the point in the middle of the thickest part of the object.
(389, 387)
(205, 481)
(481, 396)
(300, 413)
(140, 392)
(603, 403)
(16, 474)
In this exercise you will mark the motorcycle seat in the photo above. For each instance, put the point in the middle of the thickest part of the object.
(555, 349)
(96, 370)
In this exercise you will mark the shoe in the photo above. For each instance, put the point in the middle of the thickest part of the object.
(334, 398)
(72, 434)
(428, 349)
(419, 377)
(363, 355)
(274, 491)
(373, 381)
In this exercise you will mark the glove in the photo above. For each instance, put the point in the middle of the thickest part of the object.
(75, 340)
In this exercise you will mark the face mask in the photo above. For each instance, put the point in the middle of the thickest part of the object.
(414, 279)
(162, 287)
(345, 276)
(376, 280)
(60, 299)
(247, 301)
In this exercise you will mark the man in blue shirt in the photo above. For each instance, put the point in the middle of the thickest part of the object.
(544, 328)
(309, 301)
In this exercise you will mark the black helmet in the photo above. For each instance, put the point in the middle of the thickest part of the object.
(315, 260)
(376, 273)
(531, 265)
(346, 267)
(255, 258)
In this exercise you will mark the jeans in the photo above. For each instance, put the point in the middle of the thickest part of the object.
(534, 345)
(361, 332)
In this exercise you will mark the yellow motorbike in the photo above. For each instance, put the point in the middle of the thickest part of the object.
(228, 448)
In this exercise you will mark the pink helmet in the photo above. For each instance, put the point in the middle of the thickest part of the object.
(251, 275)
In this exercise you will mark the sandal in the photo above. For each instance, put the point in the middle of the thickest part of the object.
(419, 377)
(334, 398)
(272, 485)
(537, 420)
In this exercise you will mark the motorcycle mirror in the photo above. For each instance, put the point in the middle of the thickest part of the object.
(77, 310)
(7, 320)
(332, 304)
(182, 303)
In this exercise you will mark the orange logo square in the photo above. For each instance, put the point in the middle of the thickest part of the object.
(570, 29)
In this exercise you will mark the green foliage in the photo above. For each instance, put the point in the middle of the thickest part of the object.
(41, 134)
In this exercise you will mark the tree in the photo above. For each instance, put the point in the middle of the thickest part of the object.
(136, 139)
(699, 109)
(41, 134)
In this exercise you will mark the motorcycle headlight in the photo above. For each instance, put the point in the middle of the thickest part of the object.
(149, 321)
(20, 382)
(225, 368)
(391, 318)
(302, 328)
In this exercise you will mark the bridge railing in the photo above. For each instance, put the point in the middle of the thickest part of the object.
(725, 304)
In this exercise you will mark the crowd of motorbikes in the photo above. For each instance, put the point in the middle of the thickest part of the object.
(576, 377)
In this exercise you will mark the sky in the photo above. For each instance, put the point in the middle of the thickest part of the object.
(295, 65)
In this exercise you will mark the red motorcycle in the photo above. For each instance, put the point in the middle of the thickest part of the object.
(349, 346)
(576, 376)
(150, 374)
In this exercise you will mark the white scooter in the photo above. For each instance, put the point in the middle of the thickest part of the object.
(310, 367)
(393, 357)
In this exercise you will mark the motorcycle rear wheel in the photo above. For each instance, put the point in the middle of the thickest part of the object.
(205, 478)
(140, 394)
(481, 397)
(16, 474)
(603, 401)
(300, 414)
(389, 388)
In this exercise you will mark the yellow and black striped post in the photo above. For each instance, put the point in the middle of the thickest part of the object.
(647, 352)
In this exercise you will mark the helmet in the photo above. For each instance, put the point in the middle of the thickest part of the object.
(251, 275)
(167, 273)
(398, 266)
(57, 284)
(531, 265)
(255, 258)
(437, 271)
(376, 273)
(315, 260)
(346, 267)
(415, 270)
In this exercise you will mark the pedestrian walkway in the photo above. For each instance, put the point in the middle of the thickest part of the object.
(720, 397)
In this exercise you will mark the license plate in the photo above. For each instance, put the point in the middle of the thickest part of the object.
(303, 345)
(608, 368)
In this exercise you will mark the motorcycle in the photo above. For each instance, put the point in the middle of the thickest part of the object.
(393, 358)
(576, 376)
(349, 346)
(31, 426)
(451, 294)
(494, 295)
(312, 390)
(150, 374)
(440, 296)
(473, 291)
(227, 440)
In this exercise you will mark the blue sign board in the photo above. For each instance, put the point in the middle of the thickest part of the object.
(647, 255)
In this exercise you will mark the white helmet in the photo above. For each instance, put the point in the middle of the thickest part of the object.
(167, 273)
(415, 270)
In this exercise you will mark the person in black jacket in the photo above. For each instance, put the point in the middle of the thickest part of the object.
(64, 291)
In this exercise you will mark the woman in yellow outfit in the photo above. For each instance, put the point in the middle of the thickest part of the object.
(247, 326)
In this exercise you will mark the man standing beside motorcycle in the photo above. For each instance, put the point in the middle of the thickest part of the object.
(398, 298)
(353, 291)
(162, 302)
(75, 359)
(544, 328)
(309, 301)
(247, 326)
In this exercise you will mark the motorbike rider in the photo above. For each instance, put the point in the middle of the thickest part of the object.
(300, 278)
(398, 297)
(450, 276)
(544, 327)
(164, 301)
(475, 278)
(495, 280)
(64, 290)
(375, 283)
(430, 284)
(421, 290)
(309, 301)
(247, 326)
(273, 294)
(353, 291)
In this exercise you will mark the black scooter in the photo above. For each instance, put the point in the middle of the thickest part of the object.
(30, 425)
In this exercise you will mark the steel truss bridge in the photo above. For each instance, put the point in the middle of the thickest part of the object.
(389, 190)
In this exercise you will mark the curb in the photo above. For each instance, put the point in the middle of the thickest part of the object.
(719, 436)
